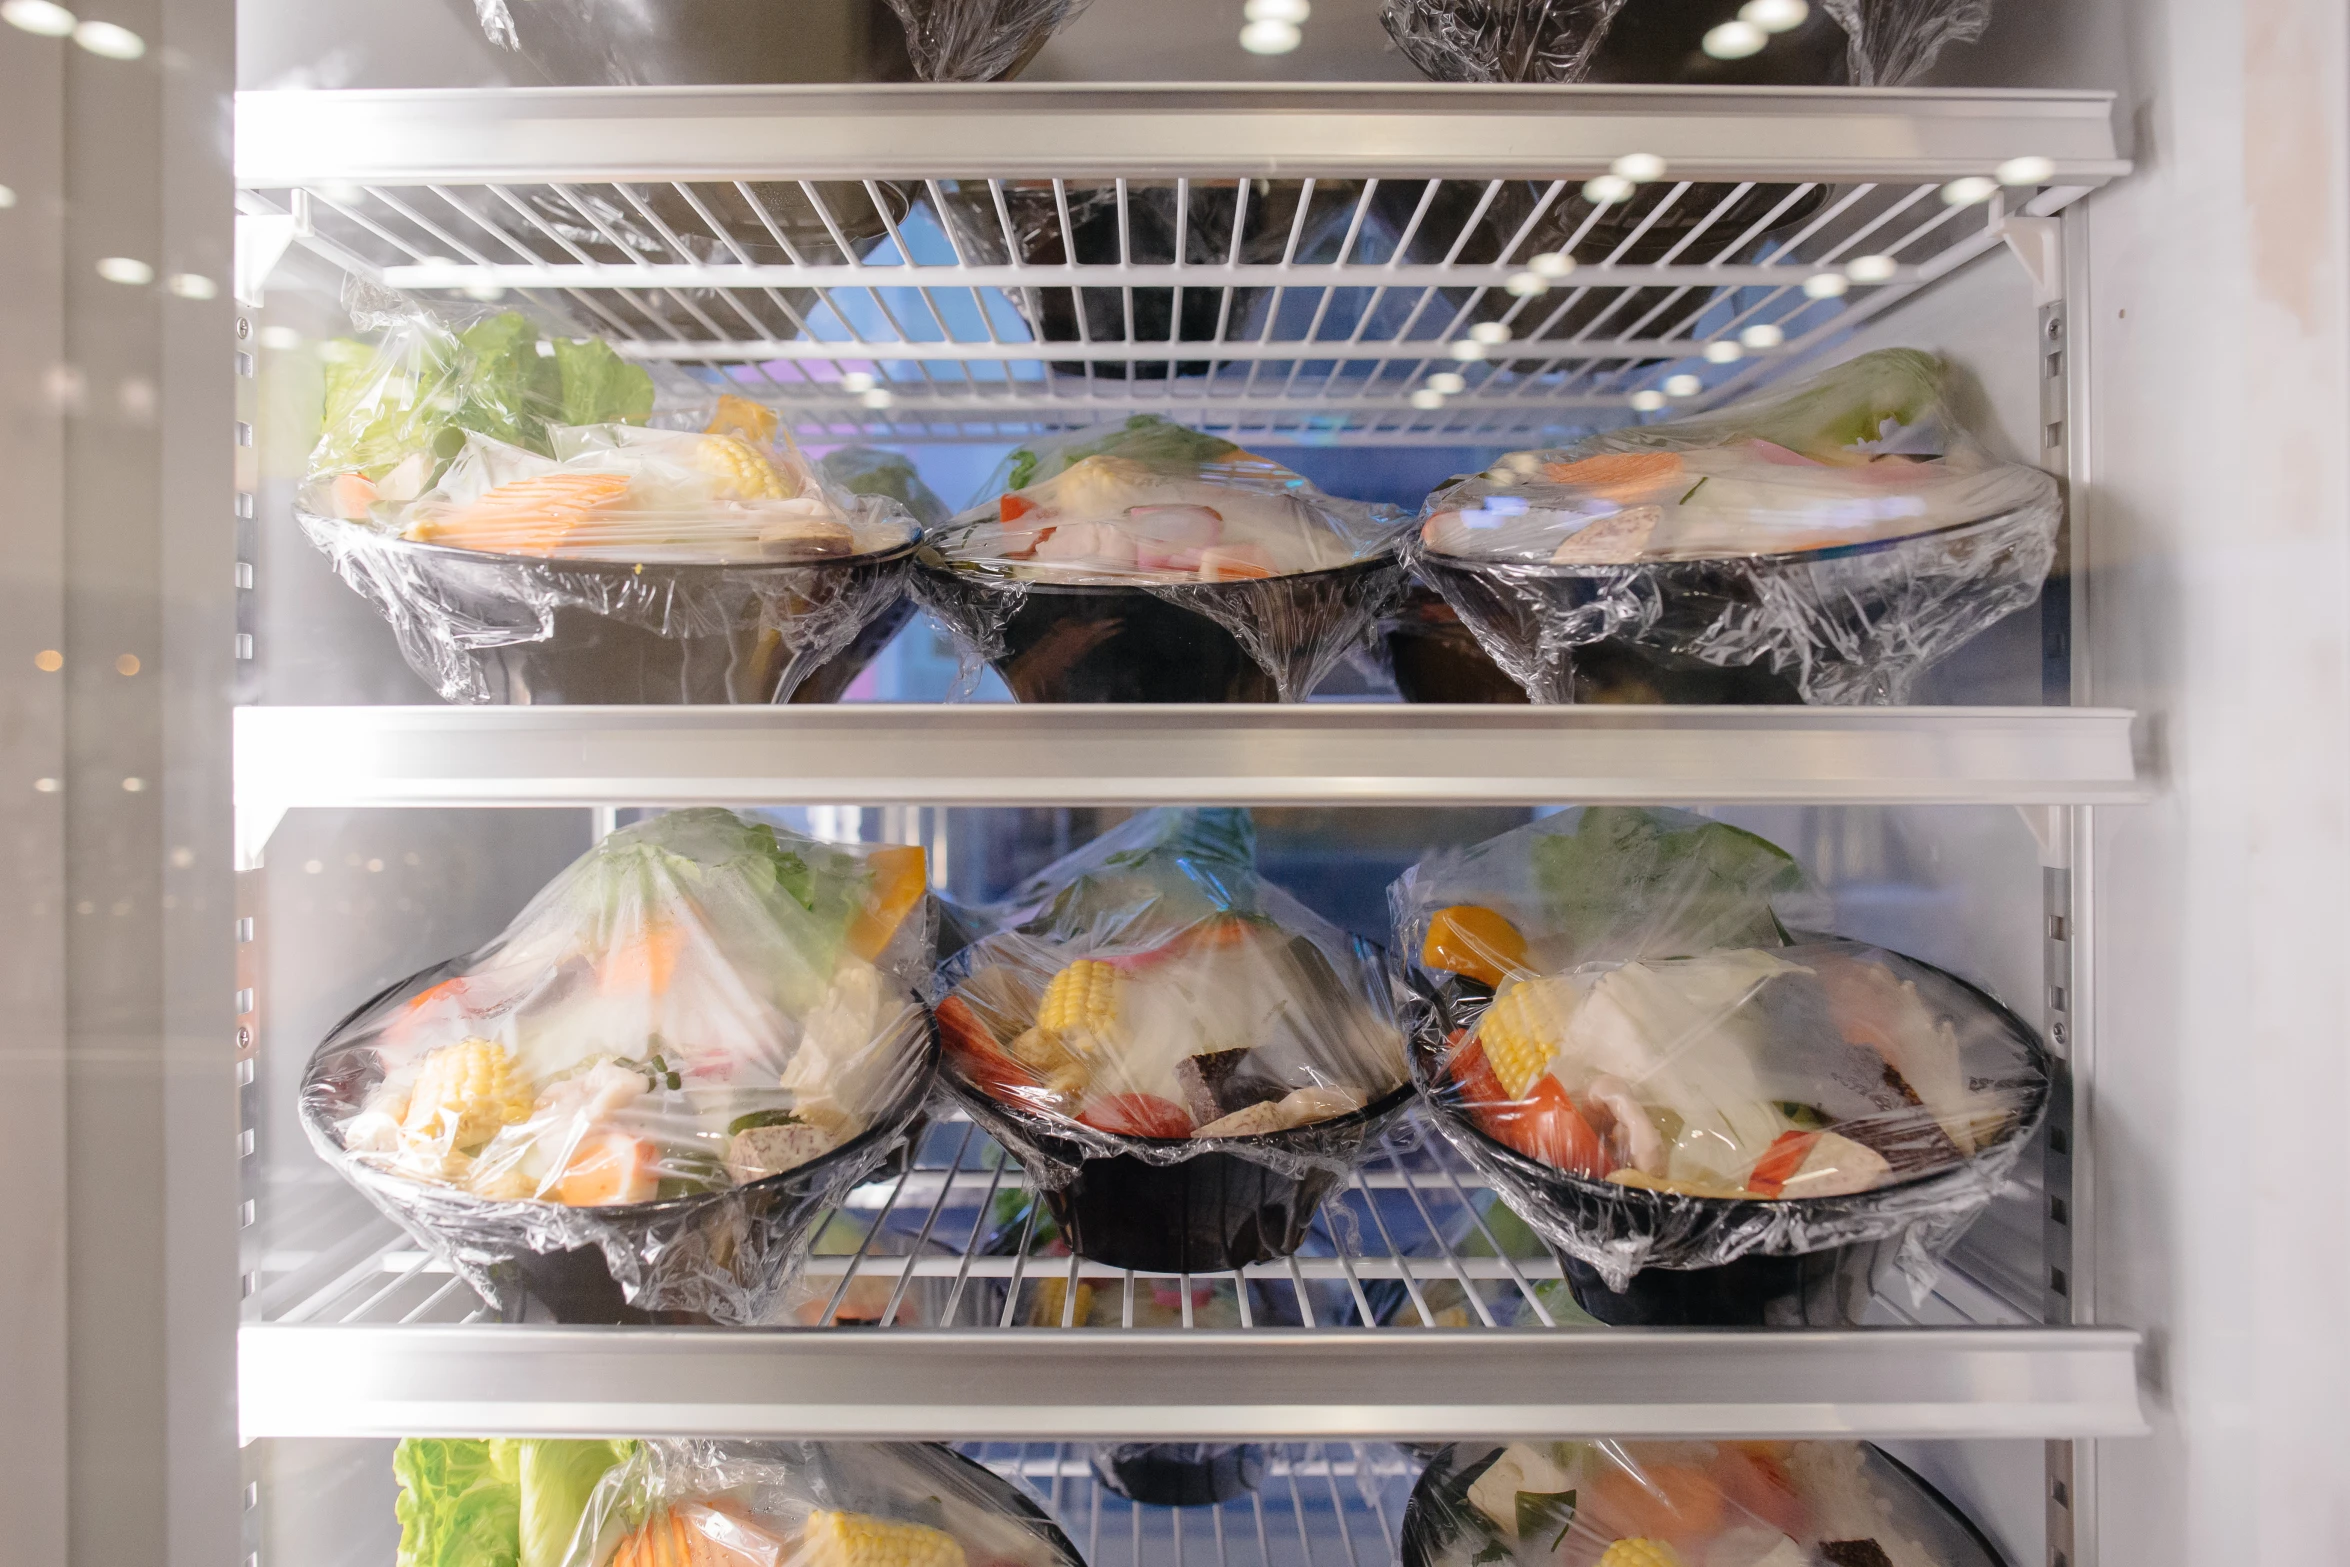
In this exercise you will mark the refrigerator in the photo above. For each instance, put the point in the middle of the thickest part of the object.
(251, 802)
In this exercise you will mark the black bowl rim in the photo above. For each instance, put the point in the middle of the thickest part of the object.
(1025, 1505)
(1443, 559)
(594, 566)
(1414, 1550)
(1535, 1173)
(1368, 1118)
(891, 1120)
(1360, 566)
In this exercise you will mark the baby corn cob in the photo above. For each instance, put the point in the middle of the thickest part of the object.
(1523, 1029)
(1081, 1006)
(858, 1540)
(463, 1094)
(747, 475)
(1640, 1553)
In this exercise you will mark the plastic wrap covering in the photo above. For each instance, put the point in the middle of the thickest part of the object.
(811, 1504)
(1049, 223)
(1884, 43)
(531, 539)
(639, 1096)
(1150, 562)
(1713, 1119)
(980, 40)
(1183, 1057)
(1681, 1504)
(1823, 543)
(867, 470)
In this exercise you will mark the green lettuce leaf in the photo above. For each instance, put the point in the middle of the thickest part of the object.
(600, 387)
(1636, 883)
(1143, 438)
(558, 1477)
(460, 1502)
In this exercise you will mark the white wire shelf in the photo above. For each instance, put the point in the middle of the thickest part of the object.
(1293, 263)
(933, 1309)
(1309, 754)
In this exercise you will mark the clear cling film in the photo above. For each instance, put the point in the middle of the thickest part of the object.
(535, 529)
(1151, 562)
(980, 40)
(1182, 1057)
(682, 1503)
(1615, 1503)
(1859, 43)
(1713, 1116)
(637, 1099)
(1826, 542)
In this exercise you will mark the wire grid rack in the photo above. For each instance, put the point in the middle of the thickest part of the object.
(1317, 1504)
(956, 1238)
(1357, 310)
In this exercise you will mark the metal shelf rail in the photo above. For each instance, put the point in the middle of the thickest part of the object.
(1378, 264)
(1312, 754)
(937, 1305)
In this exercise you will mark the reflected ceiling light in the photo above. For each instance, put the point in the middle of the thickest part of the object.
(7, 198)
(1762, 335)
(877, 398)
(1966, 192)
(1294, 12)
(1826, 285)
(1683, 386)
(191, 285)
(1608, 189)
(1465, 349)
(110, 41)
(1870, 269)
(1489, 332)
(1724, 352)
(1553, 264)
(1639, 167)
(1527, 284)
(2027, 170)
(42, 17)
(1448, 382)
(857, 381)
(1427, 397)
(126, 269)
(1648, 401)
(1271, 37)
(1774, 16)
(1734, 40)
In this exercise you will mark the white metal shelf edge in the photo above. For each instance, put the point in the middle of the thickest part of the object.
(297, 1380)
(1319, 754)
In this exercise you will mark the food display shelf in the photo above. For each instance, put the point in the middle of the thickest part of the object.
(932, 1310)
(1313, 754)
(982, 262)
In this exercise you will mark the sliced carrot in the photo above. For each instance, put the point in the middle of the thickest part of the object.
(608, 1168)
(354, 493)
(1473, 942)
(1780, 1161)
(412, 1017)
(526, 516)
(1233, 563)
(1013, 506)
(642, 967)
(1617, 473)
(741, 417)
(901, 875)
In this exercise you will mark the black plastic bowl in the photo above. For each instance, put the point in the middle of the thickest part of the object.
(827, 683)
(1442, 1492)
(1435, 658)
(1850, 590)
(753, 1233)
(1075, 642)
(1210, 1213)
(1180, 1474)
(1831, 1287)
(739, 632)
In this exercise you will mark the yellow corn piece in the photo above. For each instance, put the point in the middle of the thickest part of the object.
(463, 1094)
(754, 422)
(1641, 1552)
(1081, 1005)
(736, 464)
(1523, 1029)
(859, 1540)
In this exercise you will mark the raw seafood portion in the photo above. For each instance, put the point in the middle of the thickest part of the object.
(1154, 502)
(1614, 1503)
(1841, 534)
(1151, 987)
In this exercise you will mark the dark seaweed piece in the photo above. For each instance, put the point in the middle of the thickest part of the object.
(1221, 1081)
